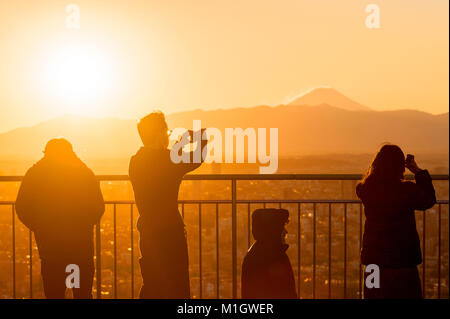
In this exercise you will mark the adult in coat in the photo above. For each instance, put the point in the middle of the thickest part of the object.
(60, 201)
(390, 238)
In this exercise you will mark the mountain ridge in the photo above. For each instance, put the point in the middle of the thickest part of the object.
(330, 96)
(303, 130)
(321, 121)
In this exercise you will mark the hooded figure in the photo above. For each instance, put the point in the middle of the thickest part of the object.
(266, 270)
(60, 201)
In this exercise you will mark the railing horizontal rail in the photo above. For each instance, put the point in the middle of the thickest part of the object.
(246, 201)
(215, 177)
(251, 201)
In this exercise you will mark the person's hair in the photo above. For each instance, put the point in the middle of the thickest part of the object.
(388, 165)
(153, 129)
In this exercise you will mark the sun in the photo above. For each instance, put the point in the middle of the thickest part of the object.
(77, 76)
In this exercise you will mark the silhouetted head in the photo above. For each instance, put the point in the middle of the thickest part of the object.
(153, 130)
(59, 148)
(387, 165)
(268, 224)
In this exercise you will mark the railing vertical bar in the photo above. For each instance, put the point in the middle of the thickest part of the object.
(115, 250)
(13, 249)
(182, 210)
(217, 252)
(234, 237)
(98, 259)
(314, 251)
(329, 251)
(132, 250)
(248, 226)
(299, 237)
(345, 250)
(360, 236)
(30, 244)
(439, 251)
(424, 254)
(200, 247)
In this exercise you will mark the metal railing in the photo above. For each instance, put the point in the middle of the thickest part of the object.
(234, 202)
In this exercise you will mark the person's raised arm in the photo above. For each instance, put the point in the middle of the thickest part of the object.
(194, 162)
(422, 193)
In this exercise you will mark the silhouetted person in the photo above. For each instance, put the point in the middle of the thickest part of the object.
(60, 201)
(266, 269)
(156, 181)
(390, 236)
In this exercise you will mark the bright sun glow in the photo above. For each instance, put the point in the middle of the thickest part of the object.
(78, 76)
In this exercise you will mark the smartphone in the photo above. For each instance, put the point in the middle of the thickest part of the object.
(409, 157)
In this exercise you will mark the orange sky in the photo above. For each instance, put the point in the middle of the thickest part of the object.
(179, 55)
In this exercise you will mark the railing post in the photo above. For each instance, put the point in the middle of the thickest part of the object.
(217, 252)
(361, 275)
(115, 250)
(345, 250)
(424, 268)
(314, 251)
(329, 251)
(439, 252)
(234, 237)
(13, 249)
(132, 251)
(98, 260)
(299, 242)
(30, 248)
(200, 269)
(249, 223)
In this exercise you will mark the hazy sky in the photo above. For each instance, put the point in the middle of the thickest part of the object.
(179, 55)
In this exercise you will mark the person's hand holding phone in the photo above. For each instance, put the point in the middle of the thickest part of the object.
(411, 164)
